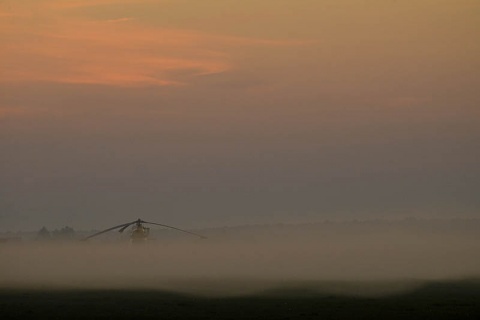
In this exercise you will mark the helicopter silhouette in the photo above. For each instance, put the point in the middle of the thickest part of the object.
(139, 233)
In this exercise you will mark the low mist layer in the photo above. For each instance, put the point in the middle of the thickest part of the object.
(354, 258)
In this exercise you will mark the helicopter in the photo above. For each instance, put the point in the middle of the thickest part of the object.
(139, 233)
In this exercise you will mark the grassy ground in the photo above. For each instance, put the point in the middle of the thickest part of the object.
(447, 300)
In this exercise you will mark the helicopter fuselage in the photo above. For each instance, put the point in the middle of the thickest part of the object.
(139, 233)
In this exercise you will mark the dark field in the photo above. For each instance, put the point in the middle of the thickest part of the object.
(434, 300)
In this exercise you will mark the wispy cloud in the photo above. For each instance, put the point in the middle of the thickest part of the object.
(56, 46)
(74, 4)
(106, 52)
(119, 20)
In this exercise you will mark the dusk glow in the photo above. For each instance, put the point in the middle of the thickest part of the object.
(212, 113)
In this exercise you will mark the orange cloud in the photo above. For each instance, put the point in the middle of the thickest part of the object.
(73, 4)
(119, 52)
(102, 52)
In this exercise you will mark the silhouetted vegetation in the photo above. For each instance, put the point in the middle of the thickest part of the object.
(43, 234)
(65, 233)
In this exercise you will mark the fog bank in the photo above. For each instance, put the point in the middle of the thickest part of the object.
(354, 258)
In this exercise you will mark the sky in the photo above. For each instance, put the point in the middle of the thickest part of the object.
(233, 112)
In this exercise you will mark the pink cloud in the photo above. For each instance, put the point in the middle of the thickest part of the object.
(74, 4)
(108, 53)
(120, 52)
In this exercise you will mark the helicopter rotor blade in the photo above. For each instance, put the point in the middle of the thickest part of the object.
(123, 226)
(164, 225)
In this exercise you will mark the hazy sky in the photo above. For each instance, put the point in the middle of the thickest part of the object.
(224, 112)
